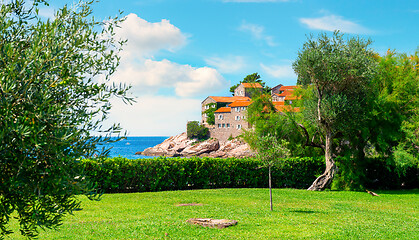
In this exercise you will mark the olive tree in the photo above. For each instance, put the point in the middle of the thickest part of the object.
(339, 73)
(51, 105)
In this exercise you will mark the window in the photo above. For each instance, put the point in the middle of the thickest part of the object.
(219, 125)
(243, 108)
(237, 109)
(239, 126)
(228, 125)
(243, 117)
(205, 115)
(220, 116)
(241, 92)
(206, 106)
(224, 125)
(237, 118)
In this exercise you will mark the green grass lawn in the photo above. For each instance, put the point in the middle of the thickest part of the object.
(298, 214)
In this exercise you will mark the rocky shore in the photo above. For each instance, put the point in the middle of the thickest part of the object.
(181, 146)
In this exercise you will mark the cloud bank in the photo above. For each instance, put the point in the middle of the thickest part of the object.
(145, 75)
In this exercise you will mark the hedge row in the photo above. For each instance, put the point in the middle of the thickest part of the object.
(142, 175)
(114, 175)
(380, 173)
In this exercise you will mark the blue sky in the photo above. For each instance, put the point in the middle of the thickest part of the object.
(179, 52)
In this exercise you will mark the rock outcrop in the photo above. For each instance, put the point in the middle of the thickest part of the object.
(181, 146)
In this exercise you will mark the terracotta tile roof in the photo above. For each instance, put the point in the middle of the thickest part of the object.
(286, 108)
(286, 93)
(291, 97)
(223, 110)
(278, 103)
(252, 85)
(229, 99)
(240, 103)
(283, 88)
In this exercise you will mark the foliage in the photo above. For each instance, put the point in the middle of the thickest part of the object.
(212, 107)
(142, 175)
(270, 151)
(196, 131)
(50, 104)
(251, 78)
(390, 127)
(339, 72)
(156, 215)
(394, 125)
(265, 120)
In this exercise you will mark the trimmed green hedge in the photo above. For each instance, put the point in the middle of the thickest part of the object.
(113, 175)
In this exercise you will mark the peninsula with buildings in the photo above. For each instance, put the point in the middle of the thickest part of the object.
(225, 118)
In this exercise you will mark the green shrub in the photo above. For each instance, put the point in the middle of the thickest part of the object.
(373, 173)
(142, 175)
(112, 175)
(196, 131)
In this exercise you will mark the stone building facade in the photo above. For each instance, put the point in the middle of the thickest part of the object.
(245, 89)
(230, 113)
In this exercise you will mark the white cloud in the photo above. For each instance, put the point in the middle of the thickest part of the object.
(145, 38)
(150, 76)
(332, 23)
(257, 32)
(279, 71)
(228, 64)
(155, 115)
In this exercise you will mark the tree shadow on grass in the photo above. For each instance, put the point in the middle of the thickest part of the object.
(306, 211)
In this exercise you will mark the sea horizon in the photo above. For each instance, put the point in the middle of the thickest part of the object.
(127, 147)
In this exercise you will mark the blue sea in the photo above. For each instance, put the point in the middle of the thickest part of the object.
(128, 147)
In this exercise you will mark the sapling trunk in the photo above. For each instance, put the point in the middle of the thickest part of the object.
(270, 186)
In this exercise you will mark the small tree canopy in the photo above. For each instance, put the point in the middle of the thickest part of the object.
(251, 78)
(196, 131)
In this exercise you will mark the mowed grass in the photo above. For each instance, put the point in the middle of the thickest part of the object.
(298, 214)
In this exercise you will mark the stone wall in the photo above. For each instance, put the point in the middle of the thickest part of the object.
(204, 107)
(229, 124)
(240, 91)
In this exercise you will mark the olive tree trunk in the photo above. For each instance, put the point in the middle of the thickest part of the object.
(324, 180)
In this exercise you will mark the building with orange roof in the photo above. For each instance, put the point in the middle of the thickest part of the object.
(284, 93)
(245, 89)
(229, 113)
(223, 110)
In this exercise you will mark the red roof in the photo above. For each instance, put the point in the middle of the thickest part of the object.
(286, 108)
(283, 88)
(278, 103)
(252, 85)
(223, 110)
(285, 93)
(240, 104)
(291, 97)
(229, 99)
